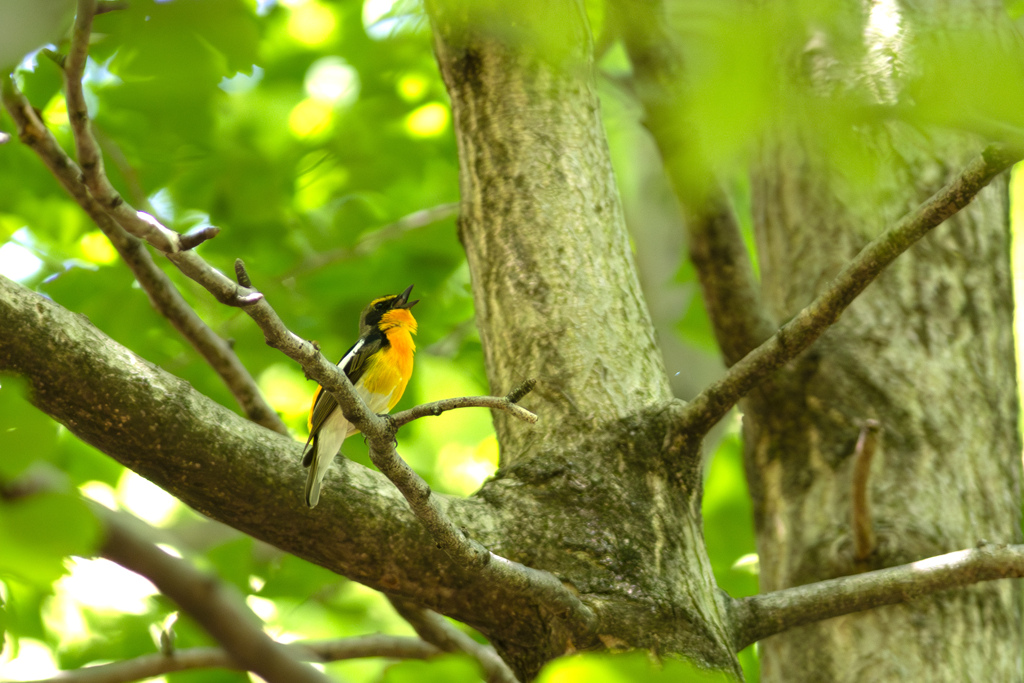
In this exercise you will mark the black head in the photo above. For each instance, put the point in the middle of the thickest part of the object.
(373, 313)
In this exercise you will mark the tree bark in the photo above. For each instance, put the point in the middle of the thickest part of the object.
(599, 489)
(928, 352)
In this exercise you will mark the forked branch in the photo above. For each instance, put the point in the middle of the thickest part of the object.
(801, 331)
(435, 629)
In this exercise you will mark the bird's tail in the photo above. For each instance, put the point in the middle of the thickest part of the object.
(313, 487)
(315, 476)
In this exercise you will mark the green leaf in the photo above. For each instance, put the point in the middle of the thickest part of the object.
(26, 435)
(625, 668)
(444, 669)
(38, 532)
(728, 518)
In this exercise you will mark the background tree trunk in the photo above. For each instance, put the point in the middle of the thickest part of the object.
(928, 352)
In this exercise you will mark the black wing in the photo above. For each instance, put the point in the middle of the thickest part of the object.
(354, 363)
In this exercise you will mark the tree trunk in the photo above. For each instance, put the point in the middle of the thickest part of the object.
(600, 491)
(928, 352)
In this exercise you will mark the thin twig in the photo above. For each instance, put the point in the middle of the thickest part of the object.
(435, 629)
(801, 331)
(505, 403)
(162, 293)
(759, 616)
(90, 158)
(222, 614)
(370, 241)
(860, 504)
(152, 665)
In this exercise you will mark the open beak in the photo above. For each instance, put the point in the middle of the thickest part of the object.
(403, 299)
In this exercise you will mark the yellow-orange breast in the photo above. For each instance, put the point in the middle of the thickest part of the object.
(391, 367)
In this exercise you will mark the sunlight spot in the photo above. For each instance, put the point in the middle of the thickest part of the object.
(940, 561)
(749, 563)
(146, 500)
(17, 262)
(261, 607)
(100, 492)
(310, 117)
(170, 550)
(332, 80)
(883, 34)
(311, 23)
(241, 82)
(463, 469)
(385, 18)
(162, 203)
(375, 10)
(63, 615)
(286, 390)
(96, 248)
(55, 113)
(412, 87)
(428, 121)
(34, 661)
(102, 585)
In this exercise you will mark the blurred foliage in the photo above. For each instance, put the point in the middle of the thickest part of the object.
(301, 127)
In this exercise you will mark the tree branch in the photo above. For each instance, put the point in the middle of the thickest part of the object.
(249, 478)
(163, 295)
(370, 241)
(860, 500)
(152, 665)
(802, 330)
(205, 600)
(759, 616)
(435, 629)
(506, 403)
(731, 292)
(730, 289)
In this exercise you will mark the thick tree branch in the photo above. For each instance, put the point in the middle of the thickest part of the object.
(731, 291)
(207, 601)
(152, 665)
(433, 628)
(250, 478)
(759, 616)
(162, 293)
(802, 330)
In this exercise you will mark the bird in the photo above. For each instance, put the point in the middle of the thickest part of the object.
(379, 365)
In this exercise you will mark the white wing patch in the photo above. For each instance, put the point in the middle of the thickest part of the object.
(344, 362)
